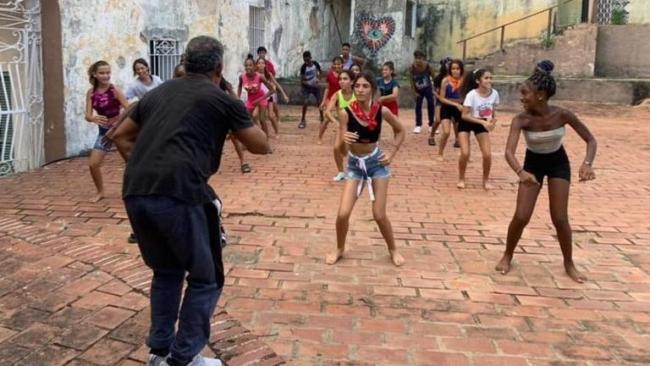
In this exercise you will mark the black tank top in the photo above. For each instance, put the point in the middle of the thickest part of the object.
(366, 136)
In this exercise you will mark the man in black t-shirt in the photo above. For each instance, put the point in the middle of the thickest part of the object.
(173, 140)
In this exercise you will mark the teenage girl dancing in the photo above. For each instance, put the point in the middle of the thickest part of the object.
(543, 127)
(257, 101)
(479, 116)
(262, 68)
(107, 101)
(452, 105)
(340, 100)
(367, 163)
(331, 89)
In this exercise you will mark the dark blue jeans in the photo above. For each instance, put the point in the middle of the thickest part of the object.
(176, 238)
(427, 94)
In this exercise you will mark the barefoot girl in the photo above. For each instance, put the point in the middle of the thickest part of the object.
(262, 68)
(341, 100)
(479, 116)
(367, 163)
(106, 100)
(450, 98)
(543, 127)
(257, 101)
(331, 89)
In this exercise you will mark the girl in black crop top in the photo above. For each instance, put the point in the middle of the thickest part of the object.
(360, 129)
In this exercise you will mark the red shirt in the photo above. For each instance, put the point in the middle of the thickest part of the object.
(332, 83)
(269, 67)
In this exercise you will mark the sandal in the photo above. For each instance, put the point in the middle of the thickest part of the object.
(432, 141)
(245, 168)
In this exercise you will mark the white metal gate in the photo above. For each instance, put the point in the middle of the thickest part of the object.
(21, 86)
(164, 55)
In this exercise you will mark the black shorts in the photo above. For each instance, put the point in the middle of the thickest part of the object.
(553, 165)
(464, 126)
(311, 90)
(450, 112)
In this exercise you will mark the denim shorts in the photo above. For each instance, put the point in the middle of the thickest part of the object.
(101, 143)
(367, 167)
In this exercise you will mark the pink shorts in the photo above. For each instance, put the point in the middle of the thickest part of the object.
(262, 103)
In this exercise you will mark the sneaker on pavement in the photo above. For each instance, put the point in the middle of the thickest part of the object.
(155, 360)
(417, 129)
(339, 177)
(199, 360)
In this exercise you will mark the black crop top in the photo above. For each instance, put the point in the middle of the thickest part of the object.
(366, 136)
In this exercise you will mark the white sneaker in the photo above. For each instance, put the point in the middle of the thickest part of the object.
(155, 360)
(417, 129)
(199, 360)
(339, 177)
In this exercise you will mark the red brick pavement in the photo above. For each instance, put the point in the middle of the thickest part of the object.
(72, 292)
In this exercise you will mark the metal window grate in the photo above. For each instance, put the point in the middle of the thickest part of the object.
(164, 55)
(6, 121)
(255, 28)
(605, 8)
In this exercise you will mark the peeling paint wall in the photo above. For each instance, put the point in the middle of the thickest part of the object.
(639, 12)
(118, 31)
(442, 23)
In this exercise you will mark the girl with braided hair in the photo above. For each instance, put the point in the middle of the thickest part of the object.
(543, 127)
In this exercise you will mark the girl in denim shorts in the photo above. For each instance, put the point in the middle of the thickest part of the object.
(361, 124)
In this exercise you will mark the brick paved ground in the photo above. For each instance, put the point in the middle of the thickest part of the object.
(72, 292)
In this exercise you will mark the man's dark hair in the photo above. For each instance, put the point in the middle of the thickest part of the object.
(306, 54)
(346, 44)
(419, 54)
(261, 49)
(203, 55)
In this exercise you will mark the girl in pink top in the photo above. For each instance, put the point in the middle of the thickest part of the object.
(257, 101)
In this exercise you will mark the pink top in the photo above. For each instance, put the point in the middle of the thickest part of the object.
(252, 86)
(106, 103)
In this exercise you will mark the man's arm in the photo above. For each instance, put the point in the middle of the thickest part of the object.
(124, 137)
(254, 139)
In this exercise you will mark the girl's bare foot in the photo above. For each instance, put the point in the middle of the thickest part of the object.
(487, 186)
(573, 272)
(504, 264)
(397, 258)
(98, 197)
(441, 158)
(461, 184)
(334, 257)
(320, 142)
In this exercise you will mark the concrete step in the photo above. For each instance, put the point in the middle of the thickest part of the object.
(589, 90)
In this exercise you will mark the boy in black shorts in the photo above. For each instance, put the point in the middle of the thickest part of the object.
(310, 74)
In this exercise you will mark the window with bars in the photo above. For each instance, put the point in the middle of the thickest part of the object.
(409, 19)
(6, 122)
(164, 55)
(255, 28)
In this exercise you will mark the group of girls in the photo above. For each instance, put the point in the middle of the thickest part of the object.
(467, 101)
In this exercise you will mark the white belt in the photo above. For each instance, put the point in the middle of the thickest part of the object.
(367, 179)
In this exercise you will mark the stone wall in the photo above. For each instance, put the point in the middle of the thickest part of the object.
(623, 51)
(118, 31)
(573, 52)
(442, 23)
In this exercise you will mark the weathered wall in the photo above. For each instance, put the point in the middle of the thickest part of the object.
(573, 52)
(623, 51)
(118, 31)
(639, 12)
(445, 22)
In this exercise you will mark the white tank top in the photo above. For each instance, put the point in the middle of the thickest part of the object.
(544, 142)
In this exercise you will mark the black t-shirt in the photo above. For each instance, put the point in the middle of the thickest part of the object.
(183, 125)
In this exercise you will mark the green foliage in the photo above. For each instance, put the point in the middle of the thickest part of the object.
(619, 16)
(547, 40)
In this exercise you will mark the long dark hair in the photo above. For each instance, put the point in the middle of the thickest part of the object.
(442, 73)
(471, 80)
(370, 78)
(542, 79)
(93, 69)
(391, 66)
(143, 62)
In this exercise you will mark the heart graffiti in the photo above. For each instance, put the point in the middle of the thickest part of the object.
(374, 32)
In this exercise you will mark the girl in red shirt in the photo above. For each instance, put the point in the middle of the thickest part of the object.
(331, 89)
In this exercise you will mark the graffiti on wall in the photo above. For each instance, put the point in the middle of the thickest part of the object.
(374, 31)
